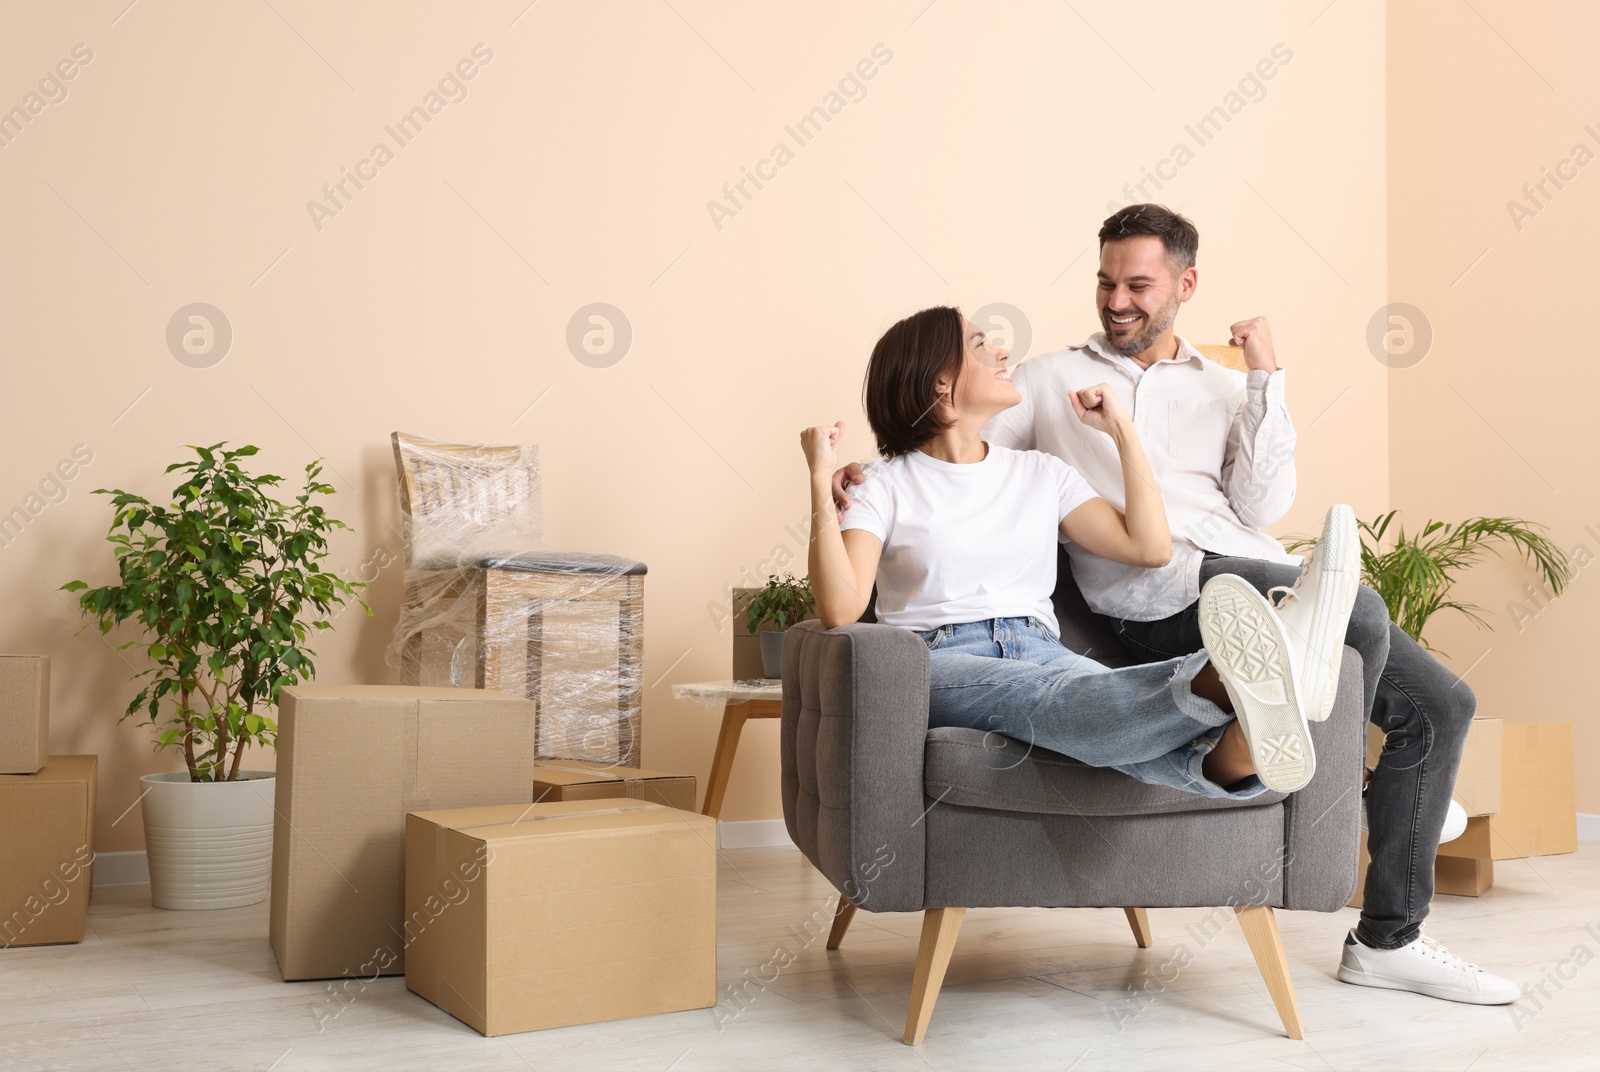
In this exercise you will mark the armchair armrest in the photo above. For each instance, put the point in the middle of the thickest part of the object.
(854, 728)
(1322, 822)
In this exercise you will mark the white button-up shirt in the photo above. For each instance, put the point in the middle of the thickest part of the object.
(1219, 441)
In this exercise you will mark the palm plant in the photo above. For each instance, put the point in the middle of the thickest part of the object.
(1415, 575)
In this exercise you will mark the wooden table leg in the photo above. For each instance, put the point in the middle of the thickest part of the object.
(733, 719)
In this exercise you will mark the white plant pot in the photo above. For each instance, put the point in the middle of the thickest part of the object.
(209, 843)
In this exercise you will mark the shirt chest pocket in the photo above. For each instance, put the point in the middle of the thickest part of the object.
(1197, 433)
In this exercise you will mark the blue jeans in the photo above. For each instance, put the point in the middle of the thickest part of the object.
(1012, 676)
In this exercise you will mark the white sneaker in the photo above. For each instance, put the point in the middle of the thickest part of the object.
(1455, 823)
(1247, 644)
(1316, 610)
(1424, 967)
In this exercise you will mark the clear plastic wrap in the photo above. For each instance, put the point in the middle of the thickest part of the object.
(487, 604)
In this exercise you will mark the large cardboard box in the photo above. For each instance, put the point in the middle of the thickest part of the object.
(24, 713)
(47, 851)
(574, 779)
(1538, 798)
(1477, 786)
(352, 761)
(547, 915)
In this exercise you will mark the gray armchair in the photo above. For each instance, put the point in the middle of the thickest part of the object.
(901, 818)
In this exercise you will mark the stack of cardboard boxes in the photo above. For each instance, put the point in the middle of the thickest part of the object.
(46, 815)
(412, 837)
(1517, 785)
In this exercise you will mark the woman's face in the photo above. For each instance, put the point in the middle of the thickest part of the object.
(984, 387)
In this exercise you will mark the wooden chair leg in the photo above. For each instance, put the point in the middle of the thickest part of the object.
(939, 929)
(842, 916)
(1139, 920)
(733, 719)
(1260, 928)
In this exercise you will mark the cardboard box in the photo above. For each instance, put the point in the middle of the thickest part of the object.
(24, 713)
(546, 915)
(574, 779)
(47, 820)
(1462, 876)
(1538, 798)
(352, 761)
(1477, 786)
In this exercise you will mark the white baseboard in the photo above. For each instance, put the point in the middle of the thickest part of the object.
(1588, 826)
(752, 834)
(121, 868)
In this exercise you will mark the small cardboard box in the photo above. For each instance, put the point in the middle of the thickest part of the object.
(48, 859)
(352, 761)
(546, 915)
(574, 779)
(1477, 787)
(24, 713)
(1538, 798)
(1462, 876)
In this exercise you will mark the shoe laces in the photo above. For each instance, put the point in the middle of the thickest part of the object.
(1436, 949)
(1290, 591)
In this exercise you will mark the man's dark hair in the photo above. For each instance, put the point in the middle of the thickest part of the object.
(901, 388)
(1177, 233)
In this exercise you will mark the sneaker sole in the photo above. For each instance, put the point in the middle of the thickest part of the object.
(1348, 974)
(1246, 642)
(1340, 569)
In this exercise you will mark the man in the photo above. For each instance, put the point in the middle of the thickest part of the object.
(1221, 446)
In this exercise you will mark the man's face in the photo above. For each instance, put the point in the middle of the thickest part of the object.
(1139, 291)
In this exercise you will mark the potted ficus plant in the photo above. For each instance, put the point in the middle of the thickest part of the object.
(225, 586)
(781, 603)
(1414, 574)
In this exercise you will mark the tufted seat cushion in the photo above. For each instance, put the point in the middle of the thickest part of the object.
(985, 770)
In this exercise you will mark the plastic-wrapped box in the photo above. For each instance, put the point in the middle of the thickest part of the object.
(488, 605)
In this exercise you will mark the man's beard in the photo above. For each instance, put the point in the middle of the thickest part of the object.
(1154, 326)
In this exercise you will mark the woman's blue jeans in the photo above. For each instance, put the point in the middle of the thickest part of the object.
(1012, 676)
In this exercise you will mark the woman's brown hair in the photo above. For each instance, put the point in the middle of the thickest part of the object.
(901, 390)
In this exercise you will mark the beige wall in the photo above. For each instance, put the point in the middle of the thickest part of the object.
(1498, 419)
(578, 169)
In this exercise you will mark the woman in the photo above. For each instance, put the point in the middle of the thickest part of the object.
(960, 537)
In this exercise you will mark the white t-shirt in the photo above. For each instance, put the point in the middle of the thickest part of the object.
(963, 543)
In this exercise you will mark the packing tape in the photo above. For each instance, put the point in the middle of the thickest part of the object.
(526, 818)
(602, 773)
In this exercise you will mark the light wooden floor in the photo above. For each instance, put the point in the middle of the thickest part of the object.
(1028, 989)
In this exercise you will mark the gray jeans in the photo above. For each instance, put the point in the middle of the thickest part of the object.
(1424, 711)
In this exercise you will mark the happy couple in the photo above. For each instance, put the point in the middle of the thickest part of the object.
(1158, 468)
